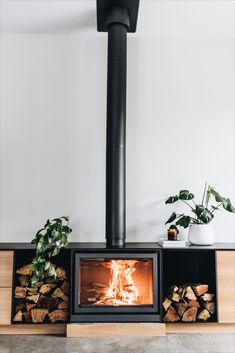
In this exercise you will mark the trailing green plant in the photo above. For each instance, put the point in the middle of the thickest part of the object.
(49, 240)
(201, 213)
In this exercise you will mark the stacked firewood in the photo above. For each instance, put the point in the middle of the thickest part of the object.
(189, 303)
(47, 302)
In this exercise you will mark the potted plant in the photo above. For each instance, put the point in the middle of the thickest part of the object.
(49, 240)
(201, 231)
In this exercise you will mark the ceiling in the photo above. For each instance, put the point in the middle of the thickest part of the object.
(157, 18)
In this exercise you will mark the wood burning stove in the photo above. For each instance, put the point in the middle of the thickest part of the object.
(116, 286)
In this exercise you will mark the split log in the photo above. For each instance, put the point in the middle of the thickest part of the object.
(24, 280)
(200, 289)
(27, 316)
(30, 306)
(20, 292)
(46, 288)
(207, 297)
(210, 306)
(63, 306)
(58, 315)
(51, 280)
(204, 315)
(190, 315)
(167, 302)
(25, 270)
(58, 293)
(34, 298)
(171, 315)
(38, 315)
(189, 293)
(193, 304)
(19, 306)
(174, 288)
(174, 296)
(32, 291)
(181, 307)
(47, 302)
(18, 316)
(61, 273)
(65, 287)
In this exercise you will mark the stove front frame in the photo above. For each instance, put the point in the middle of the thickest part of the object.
(148, 313)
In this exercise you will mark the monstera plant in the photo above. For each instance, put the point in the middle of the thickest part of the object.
(200, 213)
(49, 240)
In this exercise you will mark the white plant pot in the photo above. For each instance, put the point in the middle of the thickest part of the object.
(201, 234)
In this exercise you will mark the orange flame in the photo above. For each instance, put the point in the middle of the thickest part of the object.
(122, 289)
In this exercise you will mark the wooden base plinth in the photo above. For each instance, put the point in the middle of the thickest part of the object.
(115, 329)
(200, 328)
(59, 329)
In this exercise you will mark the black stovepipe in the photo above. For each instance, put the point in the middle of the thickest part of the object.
(117, 21)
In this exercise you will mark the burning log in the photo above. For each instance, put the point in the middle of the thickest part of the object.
(192, 304)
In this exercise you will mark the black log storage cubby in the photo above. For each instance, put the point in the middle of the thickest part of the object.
(190, 266)
(23, 257)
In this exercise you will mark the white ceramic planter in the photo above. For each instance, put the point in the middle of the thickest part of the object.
(201, 234)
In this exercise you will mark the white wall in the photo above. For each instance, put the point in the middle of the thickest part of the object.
(180, 130)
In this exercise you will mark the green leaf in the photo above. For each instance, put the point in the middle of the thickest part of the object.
(203, 214)
(172, 218)
(55, 251)
(184, 221)
(47, 265)
(51, 272)
(186, 196)
(172, 199)
(228, 206)
(217, 196)
(184, 192)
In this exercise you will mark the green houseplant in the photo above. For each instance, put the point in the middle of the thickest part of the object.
(49, 240)
(201, 214)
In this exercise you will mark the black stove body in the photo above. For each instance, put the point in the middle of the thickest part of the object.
(95, 300)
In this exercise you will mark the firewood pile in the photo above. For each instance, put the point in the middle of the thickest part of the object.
(47, 302)
(189, 303)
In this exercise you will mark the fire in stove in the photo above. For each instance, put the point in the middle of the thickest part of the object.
(121, 289)
(116, 282)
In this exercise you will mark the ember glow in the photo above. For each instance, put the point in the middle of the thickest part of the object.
(121, 289)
